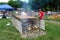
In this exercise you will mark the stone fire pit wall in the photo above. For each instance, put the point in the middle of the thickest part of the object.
(21, 24)
(17, 24)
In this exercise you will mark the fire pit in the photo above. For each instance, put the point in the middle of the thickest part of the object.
(28, 26)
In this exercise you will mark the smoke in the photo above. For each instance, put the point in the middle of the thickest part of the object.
(26, 6)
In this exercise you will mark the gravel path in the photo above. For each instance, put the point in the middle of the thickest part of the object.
(55, 22)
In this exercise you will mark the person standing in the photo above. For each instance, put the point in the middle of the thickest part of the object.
(4, 14)
(42, 21)
(41, 14)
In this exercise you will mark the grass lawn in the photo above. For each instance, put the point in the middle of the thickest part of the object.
(10, 33)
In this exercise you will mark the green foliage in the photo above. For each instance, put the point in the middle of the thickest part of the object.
(2, 3)
(38, 4)
(45, 4)
(15, 4)
(53, 5)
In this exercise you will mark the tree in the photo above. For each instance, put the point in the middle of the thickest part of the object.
(58, 4)
(3, 3)
(38, 4)
(15, 4)
(45, 4)
(54, 5)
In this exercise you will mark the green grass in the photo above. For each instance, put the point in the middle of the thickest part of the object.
(10, 33)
